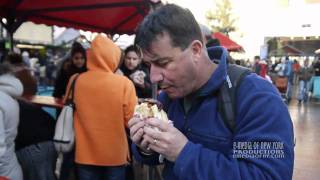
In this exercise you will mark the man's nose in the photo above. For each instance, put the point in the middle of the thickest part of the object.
(155, 74)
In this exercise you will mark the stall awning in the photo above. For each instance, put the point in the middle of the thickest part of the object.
(286, 50)
(228, 43)
(109, 16)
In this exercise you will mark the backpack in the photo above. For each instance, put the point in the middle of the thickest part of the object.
(227, 95)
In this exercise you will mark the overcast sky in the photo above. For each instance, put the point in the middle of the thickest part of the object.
(261, 18)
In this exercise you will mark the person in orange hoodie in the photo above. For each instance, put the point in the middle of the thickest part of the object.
(104, 104)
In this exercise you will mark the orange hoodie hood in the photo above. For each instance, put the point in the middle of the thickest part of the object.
(103, 55)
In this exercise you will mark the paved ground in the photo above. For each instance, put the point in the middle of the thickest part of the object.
(306, 120)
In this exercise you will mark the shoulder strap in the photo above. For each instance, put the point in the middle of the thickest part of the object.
(227, 94)
(71, 91)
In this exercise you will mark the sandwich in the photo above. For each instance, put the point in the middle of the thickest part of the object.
(149, 108)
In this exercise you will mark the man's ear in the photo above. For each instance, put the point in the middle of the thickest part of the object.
(196, 49)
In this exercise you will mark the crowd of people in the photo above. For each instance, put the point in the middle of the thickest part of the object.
(34, 152)
(170, 50)
(286, 74)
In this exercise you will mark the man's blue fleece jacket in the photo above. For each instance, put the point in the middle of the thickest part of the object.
(262, 146)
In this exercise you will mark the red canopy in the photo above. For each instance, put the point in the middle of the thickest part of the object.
(226, 42)
(109, 16)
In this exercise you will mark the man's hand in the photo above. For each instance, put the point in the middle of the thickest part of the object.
(164, 138)
(136, 125)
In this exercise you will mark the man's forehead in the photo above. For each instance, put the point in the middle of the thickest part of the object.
(158, 47)
(148, 54)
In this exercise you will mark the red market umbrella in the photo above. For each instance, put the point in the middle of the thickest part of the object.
(108, 16)
(228, 43)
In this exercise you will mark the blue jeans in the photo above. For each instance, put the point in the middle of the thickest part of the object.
(89, 172)
(289, 90)
(303, 90)
(38, 161)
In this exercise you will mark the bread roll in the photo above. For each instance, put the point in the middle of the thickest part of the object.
(150, 109)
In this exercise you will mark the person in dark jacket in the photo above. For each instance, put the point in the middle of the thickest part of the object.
(304, 75)
(134, 68)
(316, 66)
(198, 144)
(137, 71)
(34, 147)
(75, 64)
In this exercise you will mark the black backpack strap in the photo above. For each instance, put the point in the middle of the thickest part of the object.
(228, 92)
